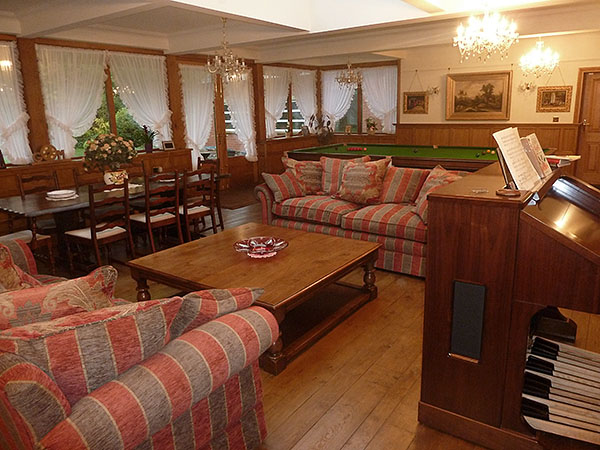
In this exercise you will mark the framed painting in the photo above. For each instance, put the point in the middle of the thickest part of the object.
(168, 145)
(554, 98)
(416, 103)
(478, 96)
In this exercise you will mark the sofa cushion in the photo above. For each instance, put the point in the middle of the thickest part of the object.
(332, 172)
(402, 184)
(20, 251)
(387, 220)
(438, 178)
(283, 186)
(308, 173)
(362, 181)
(168, 384)
(314, 208)
(12, 277)
(51, 301)
(81, 352)
(201, 307)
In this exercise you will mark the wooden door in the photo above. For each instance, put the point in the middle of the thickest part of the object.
(588, 168)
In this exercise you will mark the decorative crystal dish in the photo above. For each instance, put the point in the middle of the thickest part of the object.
(260, 246)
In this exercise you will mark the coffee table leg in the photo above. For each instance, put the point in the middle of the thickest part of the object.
(273, 360)
(369, 279)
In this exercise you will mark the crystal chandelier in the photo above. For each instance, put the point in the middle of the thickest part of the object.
(226, 64)
(539, 61)
(485, 35)
(349, 76)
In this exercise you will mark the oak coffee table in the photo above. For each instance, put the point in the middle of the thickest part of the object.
(300, 282)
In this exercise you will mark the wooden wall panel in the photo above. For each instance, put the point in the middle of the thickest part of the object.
(458, 135)
(480, 137)
(440, 136)
(175, 102)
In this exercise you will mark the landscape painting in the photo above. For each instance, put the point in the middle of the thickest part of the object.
(416, 103)
(478, 96)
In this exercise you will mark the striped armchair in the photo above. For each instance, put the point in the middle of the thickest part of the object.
(172, 373)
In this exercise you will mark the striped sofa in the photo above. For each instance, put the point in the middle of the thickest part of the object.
(396, 222)
(177, 373)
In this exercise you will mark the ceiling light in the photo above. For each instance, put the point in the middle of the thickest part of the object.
(226, 64)
(539, 61)
(485, 35)
(5, 64)
(349, 76)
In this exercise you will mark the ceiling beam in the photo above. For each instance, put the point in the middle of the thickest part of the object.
(425, 5)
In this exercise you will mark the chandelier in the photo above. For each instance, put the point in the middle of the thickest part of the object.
(486, 35)
(349, 76)
(226, 64)
(539, 61)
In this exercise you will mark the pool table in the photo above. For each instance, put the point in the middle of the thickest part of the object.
(422, 156)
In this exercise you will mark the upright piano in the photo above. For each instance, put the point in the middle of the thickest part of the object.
(495, 264)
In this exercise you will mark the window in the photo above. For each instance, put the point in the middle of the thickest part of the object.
(287, 122)
(351, 118)
(235, 147)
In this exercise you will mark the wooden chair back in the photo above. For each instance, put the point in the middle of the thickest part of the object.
(161, 194)
(109, 207)
(41, 182)
(199, 187)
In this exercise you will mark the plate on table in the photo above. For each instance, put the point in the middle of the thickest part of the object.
(61, 194)
(260, 246)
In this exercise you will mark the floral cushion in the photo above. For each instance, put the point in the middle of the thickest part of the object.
(283, 186)
(362, 181)
(402, 184)
(12, 277)
(332, 172)
(437, 178)
(308, 173)
(81, 352)
(50, 301)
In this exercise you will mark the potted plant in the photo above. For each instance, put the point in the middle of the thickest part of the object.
(106, 153)
(371, 125)
(149, 136)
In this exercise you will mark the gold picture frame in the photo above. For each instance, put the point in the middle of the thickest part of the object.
(554, 99)
(478, 96)
(416, 103)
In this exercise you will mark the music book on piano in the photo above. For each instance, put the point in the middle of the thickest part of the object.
(522, 172)
(536, 155)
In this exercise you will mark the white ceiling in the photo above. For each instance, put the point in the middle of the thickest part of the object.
(298, 31)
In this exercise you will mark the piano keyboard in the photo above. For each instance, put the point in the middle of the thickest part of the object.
(561, 390)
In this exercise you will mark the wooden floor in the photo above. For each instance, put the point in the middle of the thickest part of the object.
(358, 387)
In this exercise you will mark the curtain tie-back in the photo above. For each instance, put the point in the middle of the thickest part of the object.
(63, 126)
(19, 122)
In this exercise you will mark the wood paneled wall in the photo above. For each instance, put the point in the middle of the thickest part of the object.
(562, 137)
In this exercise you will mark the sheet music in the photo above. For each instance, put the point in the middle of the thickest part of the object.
(532, 145)
(523, 173)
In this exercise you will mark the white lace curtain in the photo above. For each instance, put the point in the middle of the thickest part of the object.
(198, 96)
(13, 118)
(240, 99)
(141, 81)
(380, 88)
(336, 99)
(276, 81)
(304, 88)
(72, 85)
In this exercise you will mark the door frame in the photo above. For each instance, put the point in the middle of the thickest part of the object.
(579, 93)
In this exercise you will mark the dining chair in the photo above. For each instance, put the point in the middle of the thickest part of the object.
(199, 187)
(41, 228)
(108, 218)
(218, 177)
(161, 206)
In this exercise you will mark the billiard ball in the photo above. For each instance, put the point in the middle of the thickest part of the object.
(415, 150)
(493, 152)
(488, 151)
(477, 155)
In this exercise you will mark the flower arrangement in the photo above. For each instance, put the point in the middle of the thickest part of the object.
(371, 124)
(108, 152)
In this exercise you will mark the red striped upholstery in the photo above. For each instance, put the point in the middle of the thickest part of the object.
(83, 351)
(31, 404)
(398, 255)
(48, 279)
(314, 208)
(283, 186)
(265, 196)
(12, 277)
(402, 184)
(183, 384)
(332, 172)
(21, 255)
(201, 307)
(388, 219)
(52, 301)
